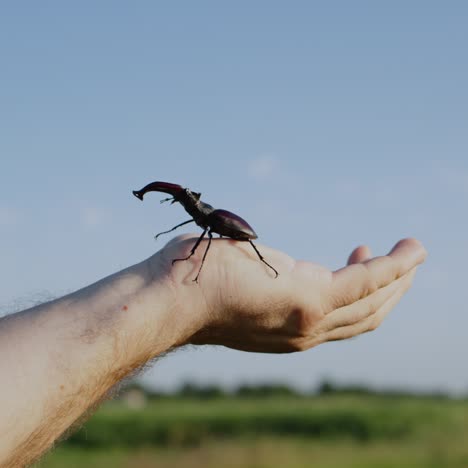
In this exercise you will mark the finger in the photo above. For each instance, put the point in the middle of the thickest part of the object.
(359, 254)
(359, 280)
(372, 321)
(360, 310)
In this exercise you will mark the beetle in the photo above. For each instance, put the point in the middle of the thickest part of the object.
(211, 220)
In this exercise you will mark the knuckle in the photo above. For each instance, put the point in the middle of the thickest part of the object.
(369, 310)
(369, 285)
(369, 288)
(373, 325)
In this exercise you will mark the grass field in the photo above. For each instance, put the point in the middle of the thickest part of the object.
(331, 431)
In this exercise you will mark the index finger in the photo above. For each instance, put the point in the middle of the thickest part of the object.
(359, 280)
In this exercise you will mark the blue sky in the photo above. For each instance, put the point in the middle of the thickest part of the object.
(324, 124)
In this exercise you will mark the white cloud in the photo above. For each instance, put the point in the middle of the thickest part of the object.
(93, 216)
(263, 167)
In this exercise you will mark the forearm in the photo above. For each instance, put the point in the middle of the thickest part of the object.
(61, 358)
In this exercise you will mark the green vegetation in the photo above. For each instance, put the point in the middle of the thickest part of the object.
(334, 429)
(268, 453)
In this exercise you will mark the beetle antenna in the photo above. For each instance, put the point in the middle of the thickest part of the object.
(262, 259)
(167, 199)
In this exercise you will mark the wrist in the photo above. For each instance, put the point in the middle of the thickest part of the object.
(161, 310)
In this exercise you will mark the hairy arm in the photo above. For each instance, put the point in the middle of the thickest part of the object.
(60, 359)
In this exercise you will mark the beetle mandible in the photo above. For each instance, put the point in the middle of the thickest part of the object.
(221, 222)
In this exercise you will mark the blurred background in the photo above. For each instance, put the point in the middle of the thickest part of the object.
(325, 125)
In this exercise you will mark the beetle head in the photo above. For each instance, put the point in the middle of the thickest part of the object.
(189, 195)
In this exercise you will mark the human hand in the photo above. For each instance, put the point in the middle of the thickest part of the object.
(239, 304)
(75, 348)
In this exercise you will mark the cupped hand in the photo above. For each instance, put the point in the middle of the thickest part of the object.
(239, 303)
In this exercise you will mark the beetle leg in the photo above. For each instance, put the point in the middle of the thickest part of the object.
(204, 256)
(174, 228)
(262, 259)
(193, 248)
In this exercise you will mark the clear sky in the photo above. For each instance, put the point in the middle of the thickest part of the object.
(324, 124)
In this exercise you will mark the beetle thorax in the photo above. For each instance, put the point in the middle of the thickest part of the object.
(195, 207)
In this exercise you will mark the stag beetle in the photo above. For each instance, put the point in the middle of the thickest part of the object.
(222, 222)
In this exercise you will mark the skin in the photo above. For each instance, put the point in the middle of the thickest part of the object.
(60, 359)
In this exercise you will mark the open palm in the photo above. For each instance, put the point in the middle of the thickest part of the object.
(240, 303)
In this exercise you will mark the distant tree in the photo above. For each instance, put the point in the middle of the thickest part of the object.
(265, 390)
(205, 392)
(326, 387)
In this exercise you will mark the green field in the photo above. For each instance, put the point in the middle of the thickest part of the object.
(329, 431)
